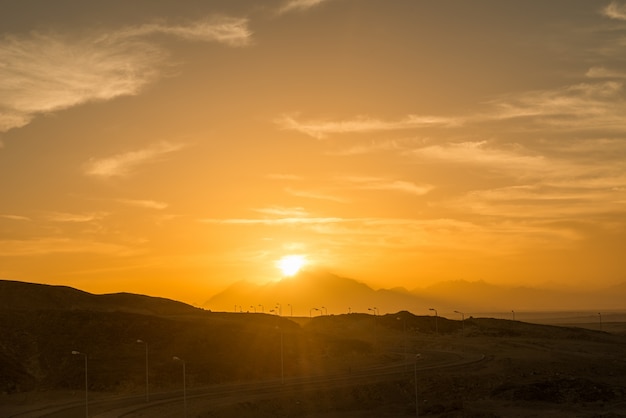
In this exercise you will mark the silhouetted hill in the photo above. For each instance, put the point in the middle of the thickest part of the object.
(315, 292)
(21, 296)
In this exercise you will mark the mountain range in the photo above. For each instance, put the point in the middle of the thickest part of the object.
(313, 293)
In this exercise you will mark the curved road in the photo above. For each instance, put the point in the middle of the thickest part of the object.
(225, 394)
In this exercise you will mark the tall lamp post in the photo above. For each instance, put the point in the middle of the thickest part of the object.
(600, 316)
(417, 412)
(282, 357)
(86, 383)
(184, 385)
(147, 385)
(436, 316)
(462, 322)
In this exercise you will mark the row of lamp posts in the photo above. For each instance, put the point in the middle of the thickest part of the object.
(147, 382)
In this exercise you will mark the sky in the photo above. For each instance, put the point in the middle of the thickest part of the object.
(174, 148)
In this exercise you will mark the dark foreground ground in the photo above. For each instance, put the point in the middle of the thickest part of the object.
(486, 368)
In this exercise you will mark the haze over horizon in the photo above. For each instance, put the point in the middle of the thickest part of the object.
(174, 149)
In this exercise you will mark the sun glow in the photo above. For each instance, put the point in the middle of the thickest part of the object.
(291, 264)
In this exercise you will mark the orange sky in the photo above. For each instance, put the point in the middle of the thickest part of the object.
(173, 148)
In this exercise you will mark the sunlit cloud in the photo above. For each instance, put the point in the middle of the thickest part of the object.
(480, 153)
(43, 73)
(123, 164)
(74, 217)
(299, 5)
(583, 106)
(230, 31)
(283, 212)
(15, 217)
(297, 220)
(322, 129)
(147, 204)
(375, 183)
(45, 246)
(543, 202)
(603, 72)
(371, 147)
(615, 10)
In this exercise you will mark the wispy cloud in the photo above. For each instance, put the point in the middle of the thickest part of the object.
(297, 220)
(49, 72)
(44, 246)
(74, 217)
(603, 72)
(543, 202)
(375, 183)
(230, 31)
(15, 217)
(299, 5)
(321, 129)
(283, 212)
(148, 204)
(480, 153)
(123, 164)
(615, 10)
(584, 107)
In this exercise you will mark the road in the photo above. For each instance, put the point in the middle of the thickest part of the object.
(226, 394)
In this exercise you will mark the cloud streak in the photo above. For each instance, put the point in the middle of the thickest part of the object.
(43, 73)
(322, 129)
(375, 183)
(124, 164)
(615, 10)
(299, 5)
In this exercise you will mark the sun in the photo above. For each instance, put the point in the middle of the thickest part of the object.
(290, 265)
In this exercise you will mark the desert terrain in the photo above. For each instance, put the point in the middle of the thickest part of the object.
(262, 365)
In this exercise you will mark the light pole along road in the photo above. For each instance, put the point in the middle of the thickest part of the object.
(226, 394)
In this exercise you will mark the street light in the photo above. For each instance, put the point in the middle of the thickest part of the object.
(290, 309)
(403, 319)
(311, 311)
(374, 309)
(513, 312)
(86, 383)
(417, 412)
(462, 322)
(253, 307)
(262, 308)
(436, 316)
(184, 384)
(600, 316)
(147, 387)
(282, 358)
(280, 309)
(325, 310)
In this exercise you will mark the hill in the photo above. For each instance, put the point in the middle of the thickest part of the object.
(22, 296)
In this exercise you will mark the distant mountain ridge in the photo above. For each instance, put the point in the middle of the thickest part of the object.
(310, 291)
(22, 296)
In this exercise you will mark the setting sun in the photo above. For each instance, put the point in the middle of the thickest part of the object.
(291, 264)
